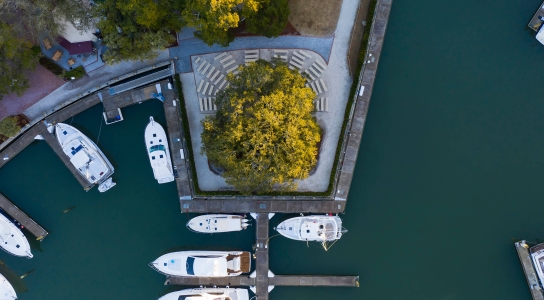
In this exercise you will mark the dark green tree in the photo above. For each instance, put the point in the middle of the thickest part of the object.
(270, 20)
(9, 126)
(16, 56)
(137, 30)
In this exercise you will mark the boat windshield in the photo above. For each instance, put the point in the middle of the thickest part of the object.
(189, 265)
(156, 148)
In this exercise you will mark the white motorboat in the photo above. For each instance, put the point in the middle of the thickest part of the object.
(6, 290)
(537, 255)
(84, 154)
(322, 228)
(208, 294)
(106, 185)
(156, 144)
(12, 239)
(217, 223)
(203, 263)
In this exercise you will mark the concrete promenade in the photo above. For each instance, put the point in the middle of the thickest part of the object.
(16, 213)
(352, 138)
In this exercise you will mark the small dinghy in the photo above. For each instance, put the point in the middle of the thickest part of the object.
(203, 263)
(6, 290)
(217, 223)
(12, 239)
(106, 185)
(323, 229)
(208, 294)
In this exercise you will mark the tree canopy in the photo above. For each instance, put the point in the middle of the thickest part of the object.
(213, 18)
(16, 56)
(137, 30)
(9, 126)
(264, 134)
(36, 17)
(270, 20)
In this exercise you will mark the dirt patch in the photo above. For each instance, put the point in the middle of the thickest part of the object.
(315, 17)
(357, 35)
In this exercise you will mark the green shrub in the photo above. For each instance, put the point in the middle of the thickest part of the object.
(76, 73)
(36, 50)
(9, 127)
(51, 66)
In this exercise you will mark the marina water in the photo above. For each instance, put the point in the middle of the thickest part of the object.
(449, 176)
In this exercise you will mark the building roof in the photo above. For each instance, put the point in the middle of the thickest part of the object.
(76, 48)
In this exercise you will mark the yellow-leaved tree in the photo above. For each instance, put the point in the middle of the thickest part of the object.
(264, 134)
(213, 18)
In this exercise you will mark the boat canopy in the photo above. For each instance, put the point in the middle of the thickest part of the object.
(157, 148)
(79, 159)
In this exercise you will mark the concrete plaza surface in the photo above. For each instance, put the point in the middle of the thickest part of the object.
(336, 77)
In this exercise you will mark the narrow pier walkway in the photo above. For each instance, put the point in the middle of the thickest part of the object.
(260, 280)
(20, 143)
(529, 270)
(16, 213)
(54, 144)
(262, 206)
(262, 265)
(175, 137)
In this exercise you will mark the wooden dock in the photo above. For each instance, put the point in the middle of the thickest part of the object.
(177, 143)
(243, 205)
(262, 279)
(16, 213)
(20, 144)
(54, 144)
(529, 270)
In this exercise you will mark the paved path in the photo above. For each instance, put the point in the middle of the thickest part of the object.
(188, 47)
(261, 206)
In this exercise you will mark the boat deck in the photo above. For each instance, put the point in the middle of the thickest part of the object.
(54, 144)
(16, 213)
(536, 21)
(529, 270)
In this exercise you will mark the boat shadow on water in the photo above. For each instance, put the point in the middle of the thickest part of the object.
(15, 280)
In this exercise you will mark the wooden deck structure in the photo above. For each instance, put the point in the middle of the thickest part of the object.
(17, 214)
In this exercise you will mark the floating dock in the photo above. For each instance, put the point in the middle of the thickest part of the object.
(262, 280)
(16, 213)
(530, 273)
(177, 142)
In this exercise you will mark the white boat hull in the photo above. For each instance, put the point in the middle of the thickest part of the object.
(217, 223)
(156, 144)
(6, 289)
(84, 154)
(312, 228)
(208, 294)
(12, 239)
(106, 185)
(203, 263)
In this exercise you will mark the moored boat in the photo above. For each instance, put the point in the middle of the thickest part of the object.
(208, 294)
(156, 145)
(7, 292)
(203, 263)
(106, 185)
(12, 239)
(84, 154)
(217, 223)
(317, 228)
